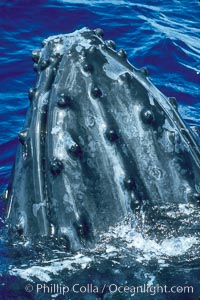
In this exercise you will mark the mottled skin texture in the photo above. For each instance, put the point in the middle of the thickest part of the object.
(100, 141)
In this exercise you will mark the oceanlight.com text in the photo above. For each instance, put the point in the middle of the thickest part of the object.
(112, 288)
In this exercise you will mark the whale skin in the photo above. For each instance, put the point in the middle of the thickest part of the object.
(100, 142)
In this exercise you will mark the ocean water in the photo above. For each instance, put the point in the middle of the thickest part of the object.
(165, 38)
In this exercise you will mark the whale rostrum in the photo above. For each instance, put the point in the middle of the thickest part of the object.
(99, 141)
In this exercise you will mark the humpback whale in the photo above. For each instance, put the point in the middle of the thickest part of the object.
(100, 142)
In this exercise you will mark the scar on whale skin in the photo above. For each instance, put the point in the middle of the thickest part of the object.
(99, 140)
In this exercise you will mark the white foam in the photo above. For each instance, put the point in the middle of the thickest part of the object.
(44, 273)
(132, 239)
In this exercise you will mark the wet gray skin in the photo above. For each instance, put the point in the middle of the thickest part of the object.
(100, 141)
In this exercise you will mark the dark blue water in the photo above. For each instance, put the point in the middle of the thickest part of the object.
(164, 36)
